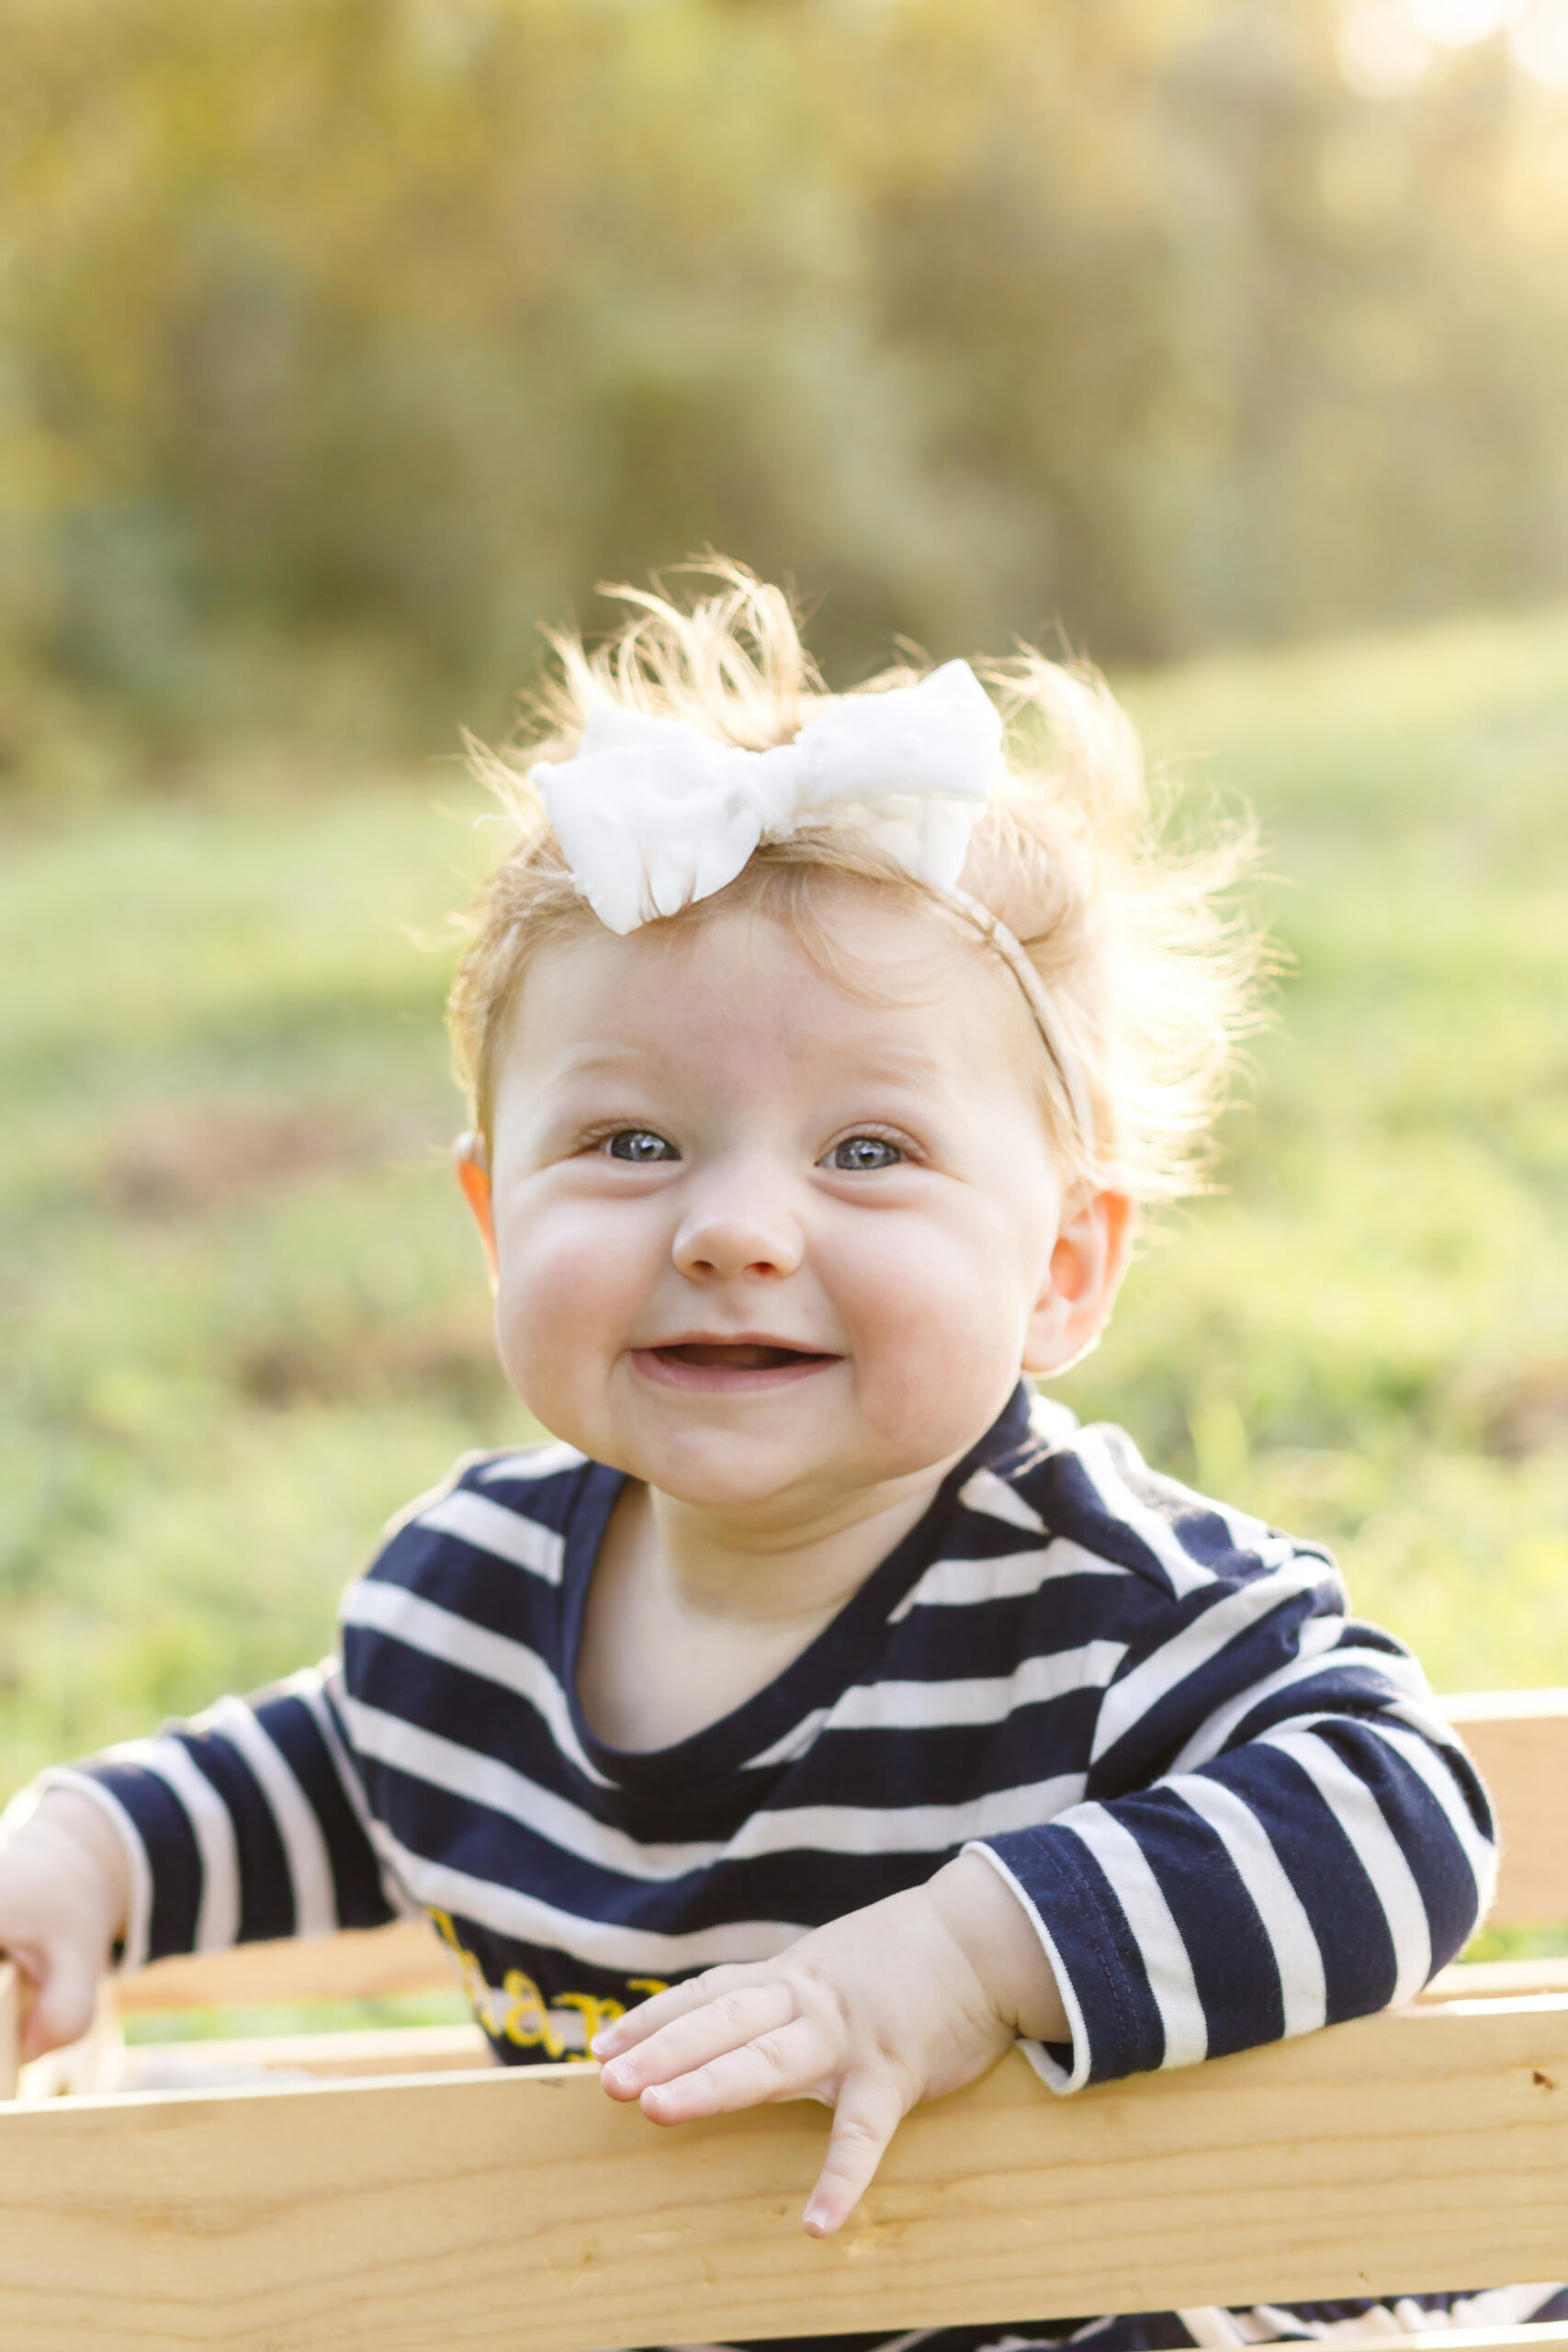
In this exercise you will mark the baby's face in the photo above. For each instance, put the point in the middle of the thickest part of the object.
(761, 1243)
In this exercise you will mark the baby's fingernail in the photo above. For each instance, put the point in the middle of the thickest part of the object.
(817, 2221)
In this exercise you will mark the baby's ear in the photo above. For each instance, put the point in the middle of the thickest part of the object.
(1093, 1244)
(471, 1161)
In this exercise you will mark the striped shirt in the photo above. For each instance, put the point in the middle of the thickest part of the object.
(1233, 1812)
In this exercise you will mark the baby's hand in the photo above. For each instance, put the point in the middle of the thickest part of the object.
(883, 2007)
(63, 1891)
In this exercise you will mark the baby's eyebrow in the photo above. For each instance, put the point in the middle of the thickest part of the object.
(910, 1061)
(591, 1056)
(911, 1064)
(892, 1066)
(582, 1061)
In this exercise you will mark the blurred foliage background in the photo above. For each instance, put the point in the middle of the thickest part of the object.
(345, 338)
(343, 341)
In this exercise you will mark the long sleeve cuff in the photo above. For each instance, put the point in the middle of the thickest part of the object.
(1321, 1872)
(244, 1825)
(131, 1951)
(1064, 2065)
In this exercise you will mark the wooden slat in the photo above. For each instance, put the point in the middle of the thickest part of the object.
(378, 2049)
(429, 2048)
(1495, 1980)
(1519, 1738)
(1533, 2338)
(361, 1964)
(433, 2049)
(494, 2210)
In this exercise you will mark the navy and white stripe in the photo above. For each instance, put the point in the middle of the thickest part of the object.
(1233, 1814)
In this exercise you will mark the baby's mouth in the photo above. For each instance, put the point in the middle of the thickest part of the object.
(737, 1355)
(750, 1365)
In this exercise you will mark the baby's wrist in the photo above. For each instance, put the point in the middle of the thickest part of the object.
(998, 1937)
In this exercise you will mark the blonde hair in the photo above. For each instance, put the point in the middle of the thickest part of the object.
(1151, 980)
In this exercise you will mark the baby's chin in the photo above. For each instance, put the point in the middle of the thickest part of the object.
(776, 1481)
(760, 1477)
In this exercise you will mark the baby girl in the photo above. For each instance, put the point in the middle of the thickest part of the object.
(822, 1710)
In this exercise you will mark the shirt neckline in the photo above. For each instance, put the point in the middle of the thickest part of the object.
(824, 1670)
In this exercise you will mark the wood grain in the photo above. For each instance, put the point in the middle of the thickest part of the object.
(487, 2213)
(1533, 2338)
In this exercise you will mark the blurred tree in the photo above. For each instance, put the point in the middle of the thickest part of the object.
(376, 329)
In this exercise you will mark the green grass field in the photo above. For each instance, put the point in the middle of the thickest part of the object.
(247, 1321)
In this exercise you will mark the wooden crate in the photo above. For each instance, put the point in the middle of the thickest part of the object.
(397, 2191)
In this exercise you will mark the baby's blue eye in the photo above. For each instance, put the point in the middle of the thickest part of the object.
(858, 1155)
(638, 1144)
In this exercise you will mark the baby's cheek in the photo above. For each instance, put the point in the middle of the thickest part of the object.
(939, 1344)
(931, 1403)
(566, 1297)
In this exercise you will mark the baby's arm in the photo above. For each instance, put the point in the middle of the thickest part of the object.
(64, 1889)
(246, 1823)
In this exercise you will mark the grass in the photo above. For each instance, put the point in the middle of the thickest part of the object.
(255, 2020)
(251, 1320)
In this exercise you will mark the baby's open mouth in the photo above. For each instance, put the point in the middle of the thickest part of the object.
(739, 1355)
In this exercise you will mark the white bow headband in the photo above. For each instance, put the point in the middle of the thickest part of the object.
(652, 814)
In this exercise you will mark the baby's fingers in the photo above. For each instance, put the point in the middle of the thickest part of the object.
(788, 2063)
(61, 2007)
(676, 2001)
(869, 2112)
(727, 2021)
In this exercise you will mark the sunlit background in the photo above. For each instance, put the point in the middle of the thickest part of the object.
(1387, 47)
(343, 342)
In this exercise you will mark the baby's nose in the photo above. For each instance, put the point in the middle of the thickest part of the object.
(735, 1231)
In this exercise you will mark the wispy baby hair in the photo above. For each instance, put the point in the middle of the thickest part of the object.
(1116, 898)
